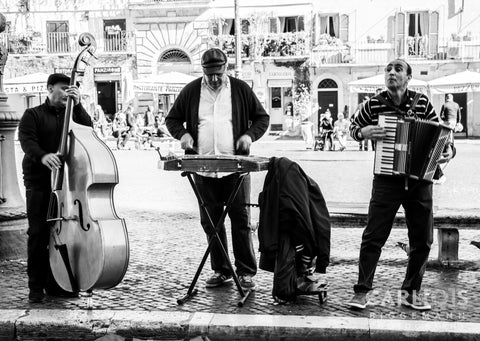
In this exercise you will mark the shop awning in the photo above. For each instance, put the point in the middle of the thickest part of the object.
(164, 83)
(370, 84)
(459, 82)
(33, 83)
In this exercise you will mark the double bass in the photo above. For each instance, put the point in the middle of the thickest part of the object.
(88, 246)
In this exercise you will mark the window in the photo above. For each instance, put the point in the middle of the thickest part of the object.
(114, 35)
(415, 33)
(276, 97)
(329, 24)
(228, 27)
(292, 24)
(58, 38)
(174, 56)
(328, 84)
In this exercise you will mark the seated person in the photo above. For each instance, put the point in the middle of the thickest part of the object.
(120, 130)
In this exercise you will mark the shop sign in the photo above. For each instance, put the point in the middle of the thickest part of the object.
(158, 88)
(106, 69)
(25, 88)
(65, 70)
(280, 73)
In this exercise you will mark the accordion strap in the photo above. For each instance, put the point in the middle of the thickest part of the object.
(397, 110)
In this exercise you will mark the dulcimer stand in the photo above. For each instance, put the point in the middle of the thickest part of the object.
(190, 164)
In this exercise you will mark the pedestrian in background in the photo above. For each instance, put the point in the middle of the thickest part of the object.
(222, 116)
(39, 134)
(307, 132)
(340, 131)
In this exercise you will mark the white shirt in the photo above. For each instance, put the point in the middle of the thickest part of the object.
(215, 128)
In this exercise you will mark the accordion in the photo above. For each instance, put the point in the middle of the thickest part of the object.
(412, 148)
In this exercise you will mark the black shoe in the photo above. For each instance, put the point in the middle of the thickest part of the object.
(62, 293)
(36, 296)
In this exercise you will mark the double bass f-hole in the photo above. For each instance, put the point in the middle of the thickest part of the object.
(80, 215)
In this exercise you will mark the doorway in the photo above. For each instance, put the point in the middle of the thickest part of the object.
(107, 97)
(327, 100)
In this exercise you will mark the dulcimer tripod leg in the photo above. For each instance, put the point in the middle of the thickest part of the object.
(215, 238)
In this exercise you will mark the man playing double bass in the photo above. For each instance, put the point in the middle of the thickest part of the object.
(39, 133)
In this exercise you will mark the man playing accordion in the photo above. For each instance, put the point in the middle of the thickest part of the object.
(389, 192)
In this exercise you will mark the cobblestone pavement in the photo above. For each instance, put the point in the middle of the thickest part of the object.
(167, 244)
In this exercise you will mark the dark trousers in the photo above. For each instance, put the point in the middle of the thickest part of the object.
(38, 265)
(216, 191)
(388, 194)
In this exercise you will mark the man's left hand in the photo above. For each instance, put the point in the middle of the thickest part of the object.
(243, 144)
(74, 93)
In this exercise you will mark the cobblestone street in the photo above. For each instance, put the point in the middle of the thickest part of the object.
(167, 243)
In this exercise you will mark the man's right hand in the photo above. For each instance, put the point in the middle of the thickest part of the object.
(373, 132)
(186, 141)
(52, 161)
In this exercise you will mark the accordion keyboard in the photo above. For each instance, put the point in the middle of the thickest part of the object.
(385, 149)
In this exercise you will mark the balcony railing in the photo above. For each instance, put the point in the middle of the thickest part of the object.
(366, 53)
(119, 41)
(256, 46)
(65, 43)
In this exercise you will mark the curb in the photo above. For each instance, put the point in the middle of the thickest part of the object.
(91, 325)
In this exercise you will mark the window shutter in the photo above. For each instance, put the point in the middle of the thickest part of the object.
(400, 34)
(390, 29)
(273, 25)
(433, 33)
(300, 23)
(343, 35)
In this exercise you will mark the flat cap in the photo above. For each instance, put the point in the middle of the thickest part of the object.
(214, 61)
(55, 78)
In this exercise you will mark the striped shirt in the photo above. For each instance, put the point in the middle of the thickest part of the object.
(369, 113)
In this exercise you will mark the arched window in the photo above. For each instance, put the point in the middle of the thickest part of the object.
(174, 56)
(327, 84)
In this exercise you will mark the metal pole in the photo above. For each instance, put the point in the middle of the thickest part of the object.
(238, 42)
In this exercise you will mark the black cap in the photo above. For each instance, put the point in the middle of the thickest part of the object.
(55, 78)
(214, 61)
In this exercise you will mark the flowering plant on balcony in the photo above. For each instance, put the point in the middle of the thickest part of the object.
(282, 44)
(416, 45)
(326, 39)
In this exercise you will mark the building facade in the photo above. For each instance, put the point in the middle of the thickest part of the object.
(299, 56)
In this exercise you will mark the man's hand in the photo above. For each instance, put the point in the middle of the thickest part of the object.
(186, 141)
(243, 144)
(52, 161)
(373, 132)
(73, 92)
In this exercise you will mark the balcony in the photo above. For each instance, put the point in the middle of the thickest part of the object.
(65, 43)
(278, 45)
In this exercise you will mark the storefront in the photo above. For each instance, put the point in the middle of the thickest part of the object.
(160, 91)
(280, 85)
(465, 88)
(26, 91)
(108, 89)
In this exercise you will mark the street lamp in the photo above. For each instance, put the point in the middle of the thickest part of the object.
(238, 42)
